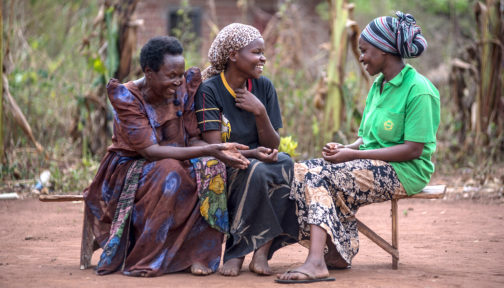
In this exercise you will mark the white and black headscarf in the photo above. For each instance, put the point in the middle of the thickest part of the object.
(401, 36)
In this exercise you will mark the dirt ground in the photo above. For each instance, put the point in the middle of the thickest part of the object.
(443, 243)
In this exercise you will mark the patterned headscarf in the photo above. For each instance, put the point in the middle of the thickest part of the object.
(401, 36)
(231, 38)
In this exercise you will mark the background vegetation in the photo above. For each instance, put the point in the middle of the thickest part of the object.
(59, 54)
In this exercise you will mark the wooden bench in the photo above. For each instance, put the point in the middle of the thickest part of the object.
(89, 245)
(429, 192)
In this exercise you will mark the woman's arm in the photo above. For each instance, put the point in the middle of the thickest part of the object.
(229, 153)
(268, 136)
(355, 145)
(214, 137)
(261, 153)
(156, 152)
(398, 153)
(333, 145)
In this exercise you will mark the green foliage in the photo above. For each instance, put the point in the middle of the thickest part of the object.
(186, 36)
(49, 79)
(112, 50)
(51, 75)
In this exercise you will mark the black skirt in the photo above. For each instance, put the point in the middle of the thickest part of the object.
(259, 207)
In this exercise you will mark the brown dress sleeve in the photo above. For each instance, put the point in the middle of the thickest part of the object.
(131, 124)
(193, 80)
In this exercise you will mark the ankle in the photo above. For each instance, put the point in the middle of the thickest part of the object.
(316, 261)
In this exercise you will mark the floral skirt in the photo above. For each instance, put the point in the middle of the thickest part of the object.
(328, 195)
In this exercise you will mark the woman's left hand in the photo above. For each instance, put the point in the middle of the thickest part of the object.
(339, 155)
(248, 102)
(266, 155)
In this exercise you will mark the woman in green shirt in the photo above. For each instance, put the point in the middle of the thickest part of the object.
(392, 155)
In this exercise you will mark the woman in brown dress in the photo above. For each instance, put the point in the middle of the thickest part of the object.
(149, 213)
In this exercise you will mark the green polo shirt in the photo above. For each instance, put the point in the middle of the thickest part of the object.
(407, 109)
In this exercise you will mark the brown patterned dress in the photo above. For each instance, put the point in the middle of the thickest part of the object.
(166, 232)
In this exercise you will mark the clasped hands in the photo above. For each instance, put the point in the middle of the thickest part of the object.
(338, 153)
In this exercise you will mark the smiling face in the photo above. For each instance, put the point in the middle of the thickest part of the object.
(250, 59)
(165, 82)
(372, 57)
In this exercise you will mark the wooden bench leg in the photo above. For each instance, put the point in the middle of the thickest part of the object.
(377, 239)
(395, 239)
(88, 242)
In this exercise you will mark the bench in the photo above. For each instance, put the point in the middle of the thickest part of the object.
(89, 245)
(429, 192)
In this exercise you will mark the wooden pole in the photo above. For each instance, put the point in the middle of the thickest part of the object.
(60, 198)
(1, 85)
(395, 241)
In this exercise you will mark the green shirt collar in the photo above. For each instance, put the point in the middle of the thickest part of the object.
(398, 79)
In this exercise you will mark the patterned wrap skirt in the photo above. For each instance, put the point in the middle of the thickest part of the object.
(259, 207)
(329, 195)
(152, 224)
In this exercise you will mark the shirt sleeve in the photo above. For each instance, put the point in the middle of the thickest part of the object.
(131, 121)
(208, 112)
(193, 81)
(272, 105)
(363, 119)
(422, 119)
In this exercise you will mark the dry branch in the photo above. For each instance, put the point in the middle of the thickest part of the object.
(19, 117)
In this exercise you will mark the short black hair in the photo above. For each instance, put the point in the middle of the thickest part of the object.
(152, 53)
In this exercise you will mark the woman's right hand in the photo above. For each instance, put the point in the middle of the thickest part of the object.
(229, 153)
(331, 148)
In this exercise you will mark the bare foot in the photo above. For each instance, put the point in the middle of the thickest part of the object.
(232, 267)
(310, 271)
(259, 265)
(200, 269)
(333, 258)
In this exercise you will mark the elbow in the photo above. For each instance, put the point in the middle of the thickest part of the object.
(416, 153)
(415, 149)
(148, 154)
(148, 157)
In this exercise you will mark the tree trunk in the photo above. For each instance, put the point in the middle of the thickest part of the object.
(1, 85)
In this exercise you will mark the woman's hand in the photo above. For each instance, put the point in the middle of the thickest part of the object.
(266, 155)
(339, 155)
(331, 148)
(248, 102)
(229, 154)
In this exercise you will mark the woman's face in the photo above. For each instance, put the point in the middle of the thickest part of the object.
(372, 57)
(165, 82)
(250, 59)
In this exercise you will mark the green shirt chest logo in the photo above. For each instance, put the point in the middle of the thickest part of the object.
(388, 125)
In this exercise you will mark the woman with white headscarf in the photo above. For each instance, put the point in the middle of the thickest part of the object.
(235, 103)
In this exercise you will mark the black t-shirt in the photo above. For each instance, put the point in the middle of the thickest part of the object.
(216, 110)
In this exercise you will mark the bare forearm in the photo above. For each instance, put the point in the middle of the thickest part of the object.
(214, 137)
(268, 137)
(397, 153)
(355, 145)
(156, 152)
(196, 141)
